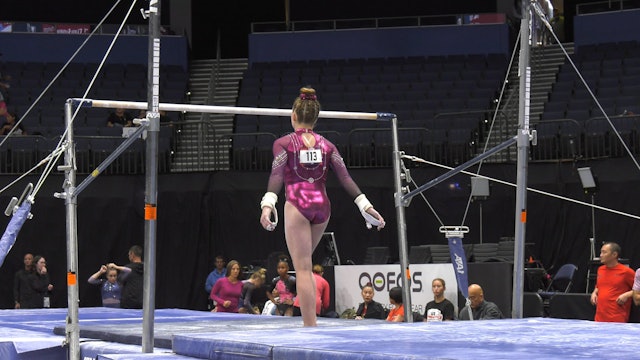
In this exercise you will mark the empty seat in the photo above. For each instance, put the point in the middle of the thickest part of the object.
(505, 250)
(485, 252)
(419, 254)
(440, 254)
(376, 255)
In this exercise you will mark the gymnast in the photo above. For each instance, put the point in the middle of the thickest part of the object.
(300, 162)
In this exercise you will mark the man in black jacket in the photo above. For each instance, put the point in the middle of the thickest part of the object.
(22, 291)
(481, 309)
(131, 277)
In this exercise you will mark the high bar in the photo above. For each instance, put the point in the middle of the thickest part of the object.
(228, 109)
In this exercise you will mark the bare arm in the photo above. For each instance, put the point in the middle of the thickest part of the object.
(123, 270)
(95, 278)
(339, 167)
(624, 297)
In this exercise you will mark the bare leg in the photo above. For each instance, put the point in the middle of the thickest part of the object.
(302, 238)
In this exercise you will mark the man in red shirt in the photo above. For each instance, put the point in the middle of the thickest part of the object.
(613, 286)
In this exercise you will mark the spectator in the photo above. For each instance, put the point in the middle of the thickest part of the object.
(110, 289)
(22, 291)
(369, 308)
(218, 273)
(395, 299)
(300, 164)
(227, 291)
(247, 300)
(323, 294)
(10, 122)
(41, 285)
(270, 307)
(480, 309)
(285, 289)
(132, 278)
(5, 85)
(613, 286)
(120, 117)
(165, 119)
(440, 308)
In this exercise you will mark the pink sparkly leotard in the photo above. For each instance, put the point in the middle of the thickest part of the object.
(305, 181)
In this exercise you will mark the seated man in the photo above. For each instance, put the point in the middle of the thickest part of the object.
(480, 309)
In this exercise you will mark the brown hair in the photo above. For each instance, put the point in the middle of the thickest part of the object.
(258, 275)
(230, 266)
(306, 106)
(444, 286)
(318, 269)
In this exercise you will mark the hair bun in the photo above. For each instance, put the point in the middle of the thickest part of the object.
(308, 93)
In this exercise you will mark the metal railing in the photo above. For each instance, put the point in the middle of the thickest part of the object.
(358, 23)
(557, 140)
(606, 6)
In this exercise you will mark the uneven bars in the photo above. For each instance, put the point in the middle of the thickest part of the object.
(380, 116)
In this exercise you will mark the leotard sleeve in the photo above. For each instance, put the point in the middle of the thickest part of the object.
(280, 157)
(338, 166)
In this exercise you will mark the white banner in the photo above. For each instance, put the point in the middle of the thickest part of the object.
(351, 278)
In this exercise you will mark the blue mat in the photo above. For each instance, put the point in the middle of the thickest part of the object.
(496, 339)
(31, 334)
(185, 334)
(18, 344)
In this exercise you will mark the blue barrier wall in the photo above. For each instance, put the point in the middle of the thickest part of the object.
(606, 27)
(379, 43)
(48, 48)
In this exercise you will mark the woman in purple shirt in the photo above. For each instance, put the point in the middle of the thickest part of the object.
(300, 163)
(227, 291)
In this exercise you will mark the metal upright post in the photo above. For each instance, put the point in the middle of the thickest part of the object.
(524, 71)
(151, 176)
(402, 225)
(72, 331)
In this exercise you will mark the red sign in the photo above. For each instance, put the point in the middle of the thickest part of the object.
(72, 29)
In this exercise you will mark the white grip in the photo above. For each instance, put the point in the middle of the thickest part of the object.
(371, 221)
(269, 199)
(362, 202)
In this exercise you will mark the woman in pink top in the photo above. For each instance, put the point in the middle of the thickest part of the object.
(300, 163)
(227, 291)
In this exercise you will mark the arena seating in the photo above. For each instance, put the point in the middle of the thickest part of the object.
(573, 124)
(443, 99)
(45, 122)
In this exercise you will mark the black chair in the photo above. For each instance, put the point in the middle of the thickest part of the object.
(505, 250)
(560, 284)
(485, 252)
(440, 254)
(419, 254)
(376, 255)
(561, 281)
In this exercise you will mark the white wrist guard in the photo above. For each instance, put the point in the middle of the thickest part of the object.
(362, 202)
(269, 199)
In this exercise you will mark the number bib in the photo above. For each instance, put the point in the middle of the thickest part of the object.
(310, 156)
